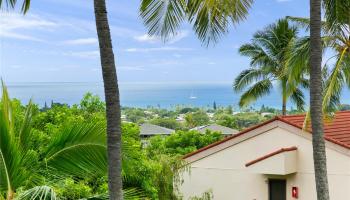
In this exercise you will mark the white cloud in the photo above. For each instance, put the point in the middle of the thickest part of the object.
(15, 26)
(153, 39)
(147, 38)
(146, 50)
(131, 68)
(83, 54)
(81, 41)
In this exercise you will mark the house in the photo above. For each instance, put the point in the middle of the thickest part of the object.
(270, 161)
(181, 118)
(216, 127)
(148, 130)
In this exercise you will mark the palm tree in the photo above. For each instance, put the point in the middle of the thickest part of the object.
(111, 90)
(318, 143)
(113, 112)
(335, 36)
(19, 163)
(269, 53)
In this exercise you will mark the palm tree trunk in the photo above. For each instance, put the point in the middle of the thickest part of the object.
(284, 97)
(112, 101)
(318, 143)
(10, 195)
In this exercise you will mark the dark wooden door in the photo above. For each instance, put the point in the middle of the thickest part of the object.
(277, 189)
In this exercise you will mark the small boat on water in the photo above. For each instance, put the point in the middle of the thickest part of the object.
(192, 96)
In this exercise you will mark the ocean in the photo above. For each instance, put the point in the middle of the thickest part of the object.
(164, 95)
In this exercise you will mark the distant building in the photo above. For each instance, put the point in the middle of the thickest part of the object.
(264, 114)
(149, 130)
(216, 127)
(181, 118)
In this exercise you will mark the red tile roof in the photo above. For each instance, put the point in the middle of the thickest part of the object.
(270, 155)
(337, 130)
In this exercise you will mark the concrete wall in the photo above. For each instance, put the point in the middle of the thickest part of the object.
(224, 172)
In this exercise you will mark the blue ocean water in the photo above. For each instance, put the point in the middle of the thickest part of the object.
(164, 95)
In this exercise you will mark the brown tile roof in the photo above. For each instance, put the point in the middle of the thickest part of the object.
(337, 130)
(270, 155)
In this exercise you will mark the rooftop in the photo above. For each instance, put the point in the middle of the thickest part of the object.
(216, 127)
(151, 129)
(337, 130)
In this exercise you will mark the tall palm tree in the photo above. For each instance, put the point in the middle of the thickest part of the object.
(112, 99)
(269, 53)
(20, 166)
(318, 142)
(111, 90)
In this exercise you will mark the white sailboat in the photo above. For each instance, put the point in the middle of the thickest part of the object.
(192, 96)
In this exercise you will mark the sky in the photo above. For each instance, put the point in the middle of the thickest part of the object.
(56, 42)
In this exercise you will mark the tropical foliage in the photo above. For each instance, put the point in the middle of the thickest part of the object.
(335, 37)
(38, 146)
(22, 164)
(210, 19)
(270, 53)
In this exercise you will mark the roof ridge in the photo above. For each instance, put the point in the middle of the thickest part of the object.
(288, 120)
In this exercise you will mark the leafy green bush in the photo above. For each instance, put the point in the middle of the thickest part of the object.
(168, 123)
(181, 142)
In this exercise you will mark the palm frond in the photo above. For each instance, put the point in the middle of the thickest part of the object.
(337, 13)
(11, 4)
(258, 90)
(38, 193)
(163, 17)
(10, 155)
(247, 77)
(258, 55)
(298, 99)
(304, 23)
(333, 86)
(78, 150)
(210, 18)
(25, 130)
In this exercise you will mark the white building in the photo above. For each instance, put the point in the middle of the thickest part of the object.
(271, 161)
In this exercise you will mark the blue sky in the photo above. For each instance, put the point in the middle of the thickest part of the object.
(56, 42)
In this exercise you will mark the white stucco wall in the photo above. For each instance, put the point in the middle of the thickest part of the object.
(224, 172)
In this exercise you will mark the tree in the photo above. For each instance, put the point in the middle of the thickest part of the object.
(270, 52)
(111, 89)
(112, 99)
(318, 143)
(92, 103)
(20, 164)
(198, 118)
(335, 36)
(167, 123)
